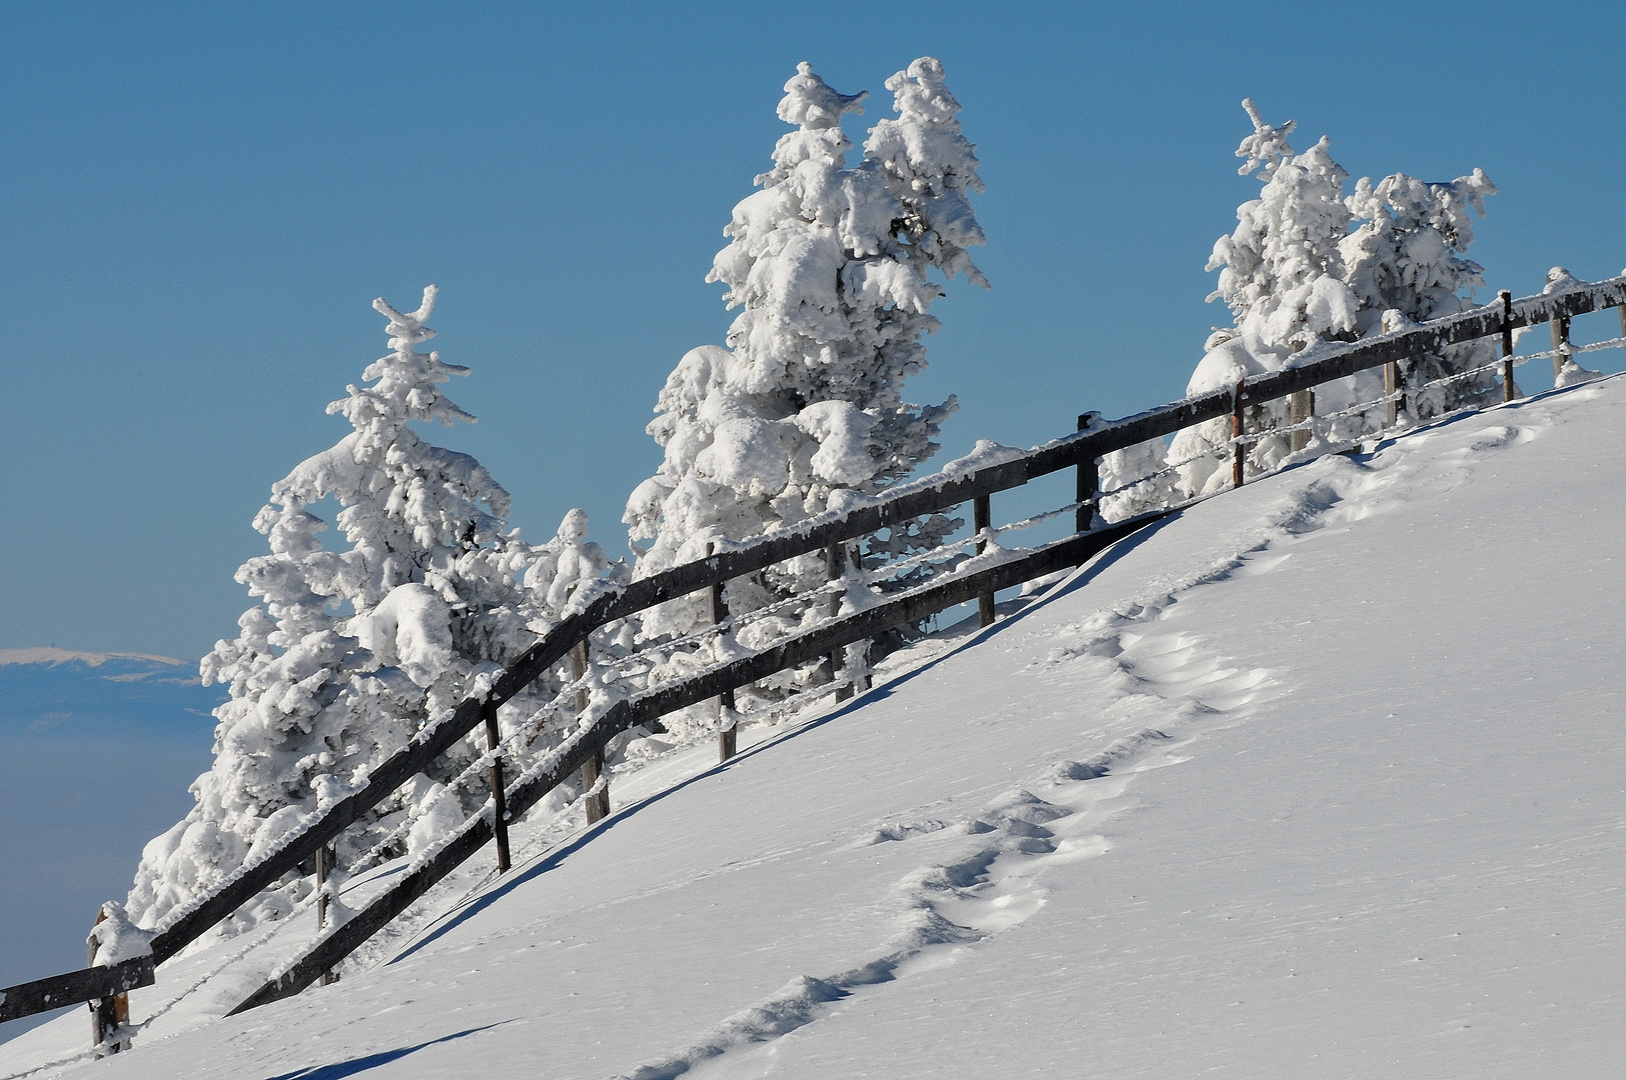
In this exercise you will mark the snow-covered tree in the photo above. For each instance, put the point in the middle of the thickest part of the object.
(1136, 480)
(1281, 274)
(1407, 257)
(350, 652)
(1281, 270)
(830, 267)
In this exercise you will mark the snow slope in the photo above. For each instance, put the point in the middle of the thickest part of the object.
(1326, 777)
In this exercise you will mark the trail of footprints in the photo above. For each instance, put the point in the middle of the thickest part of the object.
(985, 872)
(988, 884)
(991, 879)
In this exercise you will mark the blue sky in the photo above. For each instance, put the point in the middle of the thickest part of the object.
(200, 202)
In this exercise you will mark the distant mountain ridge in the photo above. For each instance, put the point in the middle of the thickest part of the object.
(53, 655)
(59, 692)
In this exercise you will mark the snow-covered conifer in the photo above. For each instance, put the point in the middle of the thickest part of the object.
(1135, 480)
(830, 266)
(1407, 256)
(350, 652)
(1281, 274)
(1281, 270)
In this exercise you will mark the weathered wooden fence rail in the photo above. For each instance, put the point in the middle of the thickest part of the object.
(825, 533)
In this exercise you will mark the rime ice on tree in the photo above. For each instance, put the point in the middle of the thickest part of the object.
(830, 268)
(1406, 257)
(350, 652)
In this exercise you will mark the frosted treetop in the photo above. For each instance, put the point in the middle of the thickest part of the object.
(1267, 146)
(813, 105)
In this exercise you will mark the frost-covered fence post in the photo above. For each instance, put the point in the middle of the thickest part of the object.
(1089, 481)
(728, 725)
(1301, 408)
(598, 806)
(1238, 451)
(1621, 311)
(1509, 390)
(1560, 326)
(1391, 387)
(324, 867)
(499, 808)
(981, 520)
(835, 564)
(106, 1013)
(325, 861)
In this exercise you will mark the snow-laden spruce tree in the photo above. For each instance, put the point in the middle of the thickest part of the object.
(1281, 270)
(1281, 274)
(350, 652)
(830, 267)
(1407, 257)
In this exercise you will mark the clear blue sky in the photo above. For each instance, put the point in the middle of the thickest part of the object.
(199, 201)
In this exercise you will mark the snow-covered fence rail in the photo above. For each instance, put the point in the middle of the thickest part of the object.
(86, 984)
(650, 705)
(992, 470)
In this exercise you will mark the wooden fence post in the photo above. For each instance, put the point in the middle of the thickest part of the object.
(1301, 407)
(499, 808)
(106, 1013)
(982, 518)
(598, 806)
(728, 727)
(835, 563)
(1621, 311)
(1509, 390)
(325, 858)
(1089, 480)
(1560, 327)
(1391, 386)
(1238, 450)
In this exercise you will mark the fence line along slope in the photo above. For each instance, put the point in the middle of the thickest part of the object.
(1565, 299)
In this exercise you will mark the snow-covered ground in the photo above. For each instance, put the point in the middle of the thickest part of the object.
(1326, 777)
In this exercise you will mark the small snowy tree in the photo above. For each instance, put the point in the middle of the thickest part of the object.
(830, 268)
(1281, 274)
(1136, 480)
(1406, 257)
(1281, 270)
(350, 652)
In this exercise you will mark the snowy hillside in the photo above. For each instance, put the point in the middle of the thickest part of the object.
(1326, 777)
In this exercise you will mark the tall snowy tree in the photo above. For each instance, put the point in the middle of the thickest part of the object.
(1281, 270)
(830, 267)
(351, 651)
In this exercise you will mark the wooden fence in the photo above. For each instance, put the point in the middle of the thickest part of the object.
(827, 533)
